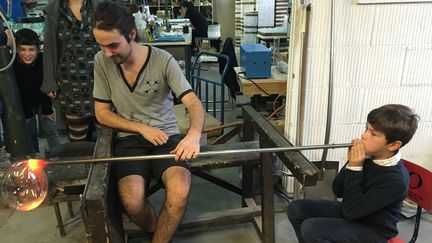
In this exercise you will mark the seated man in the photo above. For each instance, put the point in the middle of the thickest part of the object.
(137, 81)
(372, 185)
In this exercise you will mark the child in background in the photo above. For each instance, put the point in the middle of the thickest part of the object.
(372, 185)
(28, 67)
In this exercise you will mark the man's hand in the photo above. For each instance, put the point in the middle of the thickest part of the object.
(52, 94)
(187, 149)
(356, 153)
(154, 135)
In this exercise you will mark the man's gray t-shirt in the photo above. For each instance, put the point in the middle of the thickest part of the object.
(150, 100)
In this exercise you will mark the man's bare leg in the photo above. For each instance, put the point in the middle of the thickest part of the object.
(177, 181)
(139, 209)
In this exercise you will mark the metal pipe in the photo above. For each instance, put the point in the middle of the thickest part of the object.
(330, 84)
(202, 154)
(13, 118)
(302, 84)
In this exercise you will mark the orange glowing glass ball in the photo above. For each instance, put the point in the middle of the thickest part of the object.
(25, 185)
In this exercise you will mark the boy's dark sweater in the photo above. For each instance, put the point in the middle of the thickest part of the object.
(29, 80)
(373, 196)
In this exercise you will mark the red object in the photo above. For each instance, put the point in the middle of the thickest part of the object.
(420, 188)
(395, 240)
(420, 192)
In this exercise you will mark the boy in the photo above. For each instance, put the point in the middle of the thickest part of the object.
(29, 76)
(372, 185)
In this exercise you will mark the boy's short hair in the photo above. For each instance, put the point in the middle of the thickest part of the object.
(109, 16)
(27, 37)
(397, 122)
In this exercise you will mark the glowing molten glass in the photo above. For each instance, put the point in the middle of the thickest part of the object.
(25, 186)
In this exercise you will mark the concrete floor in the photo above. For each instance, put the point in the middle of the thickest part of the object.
(39, 225)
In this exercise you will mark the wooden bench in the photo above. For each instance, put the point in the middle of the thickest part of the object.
(199, 168)
(101, 209)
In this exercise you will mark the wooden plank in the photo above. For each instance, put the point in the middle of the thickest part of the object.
(267, 197)
(227, 136)
(298, 164)
(205, 220)
(257, 221)
(99, 207)
(248, 134)
(224, 217)
(227, 160)
(217, 181)
(274, 85)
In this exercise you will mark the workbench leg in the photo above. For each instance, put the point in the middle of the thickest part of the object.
(267, 198)
(70, 209)
(247, 182)
(59, 219)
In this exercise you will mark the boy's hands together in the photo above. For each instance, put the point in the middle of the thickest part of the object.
(356, 153)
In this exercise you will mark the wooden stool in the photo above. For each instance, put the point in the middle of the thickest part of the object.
(59, 197)
(68, 181)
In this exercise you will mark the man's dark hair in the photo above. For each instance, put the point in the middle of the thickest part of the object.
(187, 4)
(27, 37)
(397, 122)
(112, 15)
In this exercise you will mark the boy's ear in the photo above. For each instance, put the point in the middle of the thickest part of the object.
(394, 146)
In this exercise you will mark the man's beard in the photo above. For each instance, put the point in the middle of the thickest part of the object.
(121, 58)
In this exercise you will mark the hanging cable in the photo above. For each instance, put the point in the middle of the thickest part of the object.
(13, 39)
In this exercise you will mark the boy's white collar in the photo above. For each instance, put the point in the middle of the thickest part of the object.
(390, 161)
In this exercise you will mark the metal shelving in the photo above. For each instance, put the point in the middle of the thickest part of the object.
(204, 6)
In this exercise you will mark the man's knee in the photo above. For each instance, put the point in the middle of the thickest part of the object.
(131, 192)
(132, 205)
(178, 186)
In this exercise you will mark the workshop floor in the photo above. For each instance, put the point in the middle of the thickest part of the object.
(40, 225)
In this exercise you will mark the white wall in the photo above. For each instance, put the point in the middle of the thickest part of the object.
(382, 54)
(224, 14)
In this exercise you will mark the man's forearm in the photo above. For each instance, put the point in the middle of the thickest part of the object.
(196, 116)
(110, 119)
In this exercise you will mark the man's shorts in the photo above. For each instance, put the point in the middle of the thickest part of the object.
(136, 145)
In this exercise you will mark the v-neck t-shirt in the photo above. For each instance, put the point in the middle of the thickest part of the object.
(149, 100)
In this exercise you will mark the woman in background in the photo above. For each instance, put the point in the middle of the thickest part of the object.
(198, 21)
(69, 49)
